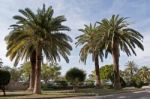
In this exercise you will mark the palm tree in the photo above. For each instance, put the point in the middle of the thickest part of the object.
(90, 47)
(117, 36)
(42, 33)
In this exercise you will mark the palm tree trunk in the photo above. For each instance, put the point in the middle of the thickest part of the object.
(32, 77)
(32, 73)
(37, 83)
(117, 84)
(115, 55)
(98, 82)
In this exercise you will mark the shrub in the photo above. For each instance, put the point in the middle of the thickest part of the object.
(89, 84)
(61, 83)
(75, 76)
(4, 79)
(137, 82)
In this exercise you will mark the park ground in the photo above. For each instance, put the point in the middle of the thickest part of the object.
(82, 94)
(144, 94)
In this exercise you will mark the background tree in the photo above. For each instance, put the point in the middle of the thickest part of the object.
(118, 36)
(131, 70)
(106, 72)
(48, 72)
(75, 76)
(144, 74)
(26, 71)
(92, 76)
(15, 74)
(51, 72)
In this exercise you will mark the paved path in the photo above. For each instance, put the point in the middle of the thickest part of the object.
(133, 95)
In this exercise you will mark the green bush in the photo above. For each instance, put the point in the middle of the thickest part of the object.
(75, 76)
(4, 79)
(137, 82)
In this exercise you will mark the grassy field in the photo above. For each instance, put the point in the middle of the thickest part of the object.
(62, 93)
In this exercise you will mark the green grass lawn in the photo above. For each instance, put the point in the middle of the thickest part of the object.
(62, 93)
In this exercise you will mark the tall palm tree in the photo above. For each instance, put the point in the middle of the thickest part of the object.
(90, 47)
(117, 36)
(42, 33)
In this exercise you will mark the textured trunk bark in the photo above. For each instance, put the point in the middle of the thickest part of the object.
(98, 82)
(115, 55)
(32, 73)
(37, 83)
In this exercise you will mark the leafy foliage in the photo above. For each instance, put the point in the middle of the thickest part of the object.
(116, 31)
(75, 76)
(38, 30)
(15, 74)
(106, 71)
(137, 82)
(4, 79)
(87, 40)
(50, 72)
(144, 74)
(25, 71)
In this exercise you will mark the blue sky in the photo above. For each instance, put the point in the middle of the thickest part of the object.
(78, 13)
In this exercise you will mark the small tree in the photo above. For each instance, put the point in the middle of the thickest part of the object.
(106, 71)
(50, 72)
(75, 76)
(4, 79)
